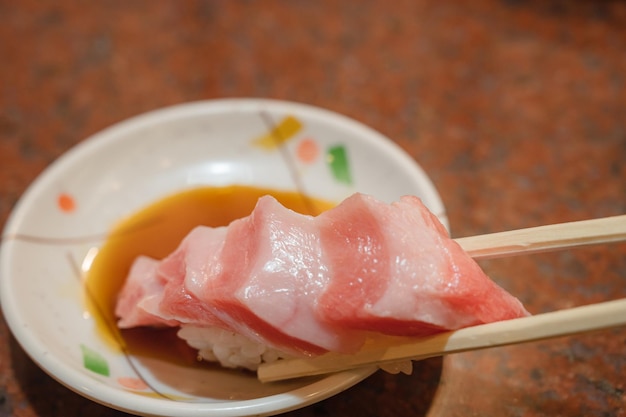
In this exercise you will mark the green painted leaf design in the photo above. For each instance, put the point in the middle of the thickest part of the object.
(337, 159)
(94, 361)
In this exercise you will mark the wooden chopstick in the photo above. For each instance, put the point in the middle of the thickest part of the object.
(545, 238)
(541, 326)
(554, 324)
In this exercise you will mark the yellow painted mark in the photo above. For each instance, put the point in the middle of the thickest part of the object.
(281, 133)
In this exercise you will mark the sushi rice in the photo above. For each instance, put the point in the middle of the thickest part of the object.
(231, 350)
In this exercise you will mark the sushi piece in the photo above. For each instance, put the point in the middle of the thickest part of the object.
(278, 283)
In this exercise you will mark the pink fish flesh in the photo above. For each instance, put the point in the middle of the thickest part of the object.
(306, 285)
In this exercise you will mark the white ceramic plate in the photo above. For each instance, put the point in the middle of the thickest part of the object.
(132, 164)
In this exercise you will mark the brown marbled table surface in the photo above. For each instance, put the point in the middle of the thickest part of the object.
(516, 109)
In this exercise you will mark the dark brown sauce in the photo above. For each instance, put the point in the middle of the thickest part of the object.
(156, 231)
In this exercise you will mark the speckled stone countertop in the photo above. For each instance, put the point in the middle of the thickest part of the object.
(516, 109)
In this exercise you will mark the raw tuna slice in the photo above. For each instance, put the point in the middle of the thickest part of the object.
(396, 271)
(143, 288)
(306, 285)
(272, 272)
